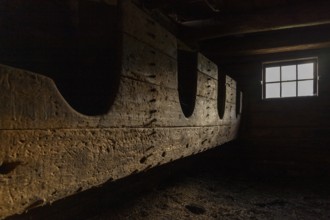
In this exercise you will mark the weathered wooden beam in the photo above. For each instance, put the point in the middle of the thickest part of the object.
(49, 151)
(269, 43)
(291, 48)
(270, 50)
(292, 16)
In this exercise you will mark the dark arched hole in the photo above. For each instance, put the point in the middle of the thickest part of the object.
(73, 42)
(238, 100)
(187, 81)
(221, 94)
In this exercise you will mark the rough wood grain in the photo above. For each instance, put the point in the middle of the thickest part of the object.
(145, 63)
(138, 24)
(49, 151)
(306, 14)
(267, 43)
(207, 66)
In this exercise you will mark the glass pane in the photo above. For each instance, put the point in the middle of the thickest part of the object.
(305, 71)
(272, 90)
(306, 88)
(289, 89)
(289, 72)
(272, 74)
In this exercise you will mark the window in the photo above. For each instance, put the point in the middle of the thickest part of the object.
(293, 78)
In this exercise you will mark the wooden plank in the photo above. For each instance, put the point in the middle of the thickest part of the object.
(269, 42)
(154, 105)
(52, 164)
(289, 117)
(207, 86)
(30, 100)
(298, 133)
(280, 49)
(57, 151)
(283, 49)
(144, 28)
(143, 62)
(303, 147)
(305, 14)
(49, 151)
(206, 66)
(309, 104)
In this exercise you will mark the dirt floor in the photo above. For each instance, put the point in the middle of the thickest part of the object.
(218, 196)
(207, 191)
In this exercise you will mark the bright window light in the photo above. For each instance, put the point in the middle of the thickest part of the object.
(273, 74)
(289, 89)
(289, 72)
(292, 78)
(305, 88)
(273, 90)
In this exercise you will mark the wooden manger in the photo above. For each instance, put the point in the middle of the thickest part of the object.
(49, 151)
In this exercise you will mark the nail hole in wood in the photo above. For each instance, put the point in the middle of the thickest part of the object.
(8, 167)
(143, 160)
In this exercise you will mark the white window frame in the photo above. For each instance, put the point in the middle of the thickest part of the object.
(296, 62)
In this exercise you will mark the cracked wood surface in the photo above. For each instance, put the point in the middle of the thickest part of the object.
(49, 151)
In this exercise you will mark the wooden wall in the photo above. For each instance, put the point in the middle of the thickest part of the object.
(284, 136)
(50, 149)
(62, 40)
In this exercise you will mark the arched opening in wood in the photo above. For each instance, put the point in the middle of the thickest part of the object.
(221, 102)
(77, 46)
(187, 81)
(239, 99)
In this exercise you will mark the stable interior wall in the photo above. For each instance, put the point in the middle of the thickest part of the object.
(52, 148)
(76, 43)
(287, 136)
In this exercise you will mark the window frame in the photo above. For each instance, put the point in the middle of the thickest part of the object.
(280, 63)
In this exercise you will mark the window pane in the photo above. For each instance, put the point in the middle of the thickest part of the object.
(305, 88)
(289, 72)
(272, 74)
(288, 89)
(272, 90)
(305, 71)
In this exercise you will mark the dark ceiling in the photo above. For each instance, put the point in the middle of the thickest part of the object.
(235, 28)
(221, 29)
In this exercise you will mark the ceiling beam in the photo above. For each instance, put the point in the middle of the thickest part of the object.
(306, 14)
(269, 43)
(283, 49)
(252, 54)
